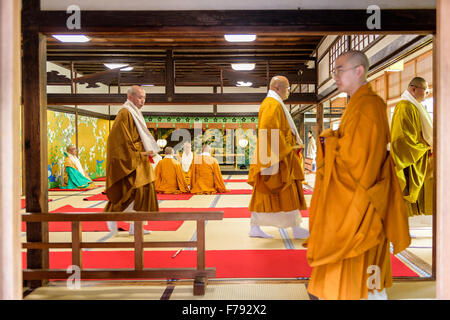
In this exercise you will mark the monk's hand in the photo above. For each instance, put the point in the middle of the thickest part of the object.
(148, 153)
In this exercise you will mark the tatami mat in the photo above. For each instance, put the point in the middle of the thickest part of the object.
(98, 293)
(412, 290)
(228, 234)
(248, 291)
(237, 185)
(234, 200)
(232, 234)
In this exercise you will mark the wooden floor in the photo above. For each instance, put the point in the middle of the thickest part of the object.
(417, 257)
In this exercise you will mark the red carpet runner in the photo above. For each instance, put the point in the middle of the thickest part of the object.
(228, 263)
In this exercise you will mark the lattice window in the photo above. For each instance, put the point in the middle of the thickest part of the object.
(339, 47)
(362, 41)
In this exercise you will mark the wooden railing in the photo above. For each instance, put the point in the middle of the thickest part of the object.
(200, 274)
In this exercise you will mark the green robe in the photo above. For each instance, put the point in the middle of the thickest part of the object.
(411, 155)
(74, 179)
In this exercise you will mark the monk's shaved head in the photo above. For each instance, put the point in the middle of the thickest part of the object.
(418, 87)
(136, 95)
(168, 150)
(278, 81)
(134, 90)
(357, 58)
(350, 71)
(418, 82)
(280, 84)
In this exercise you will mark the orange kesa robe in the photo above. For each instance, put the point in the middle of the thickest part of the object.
(283, 190)
(206, 177)
(357, 207)
(169, 177)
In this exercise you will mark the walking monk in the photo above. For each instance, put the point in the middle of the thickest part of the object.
(129, 175)
(276, 172)
(357, 207)
(169, 176)
(206, 177)
(411, 148)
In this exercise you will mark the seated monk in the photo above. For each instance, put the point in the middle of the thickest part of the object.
(169, 176)
(74, 175)
(186, 162)
(206, 177)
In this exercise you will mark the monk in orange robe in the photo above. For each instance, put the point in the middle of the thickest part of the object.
(206, 177)
(169, 176)
(357, 207)
(276, 171)
(129, 175)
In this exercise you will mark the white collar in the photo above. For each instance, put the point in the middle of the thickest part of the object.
(424, 116)
(274, 95)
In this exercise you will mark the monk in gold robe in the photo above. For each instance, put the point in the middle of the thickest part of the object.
(129, 174)
(186, 162)
(276, 171)
(411, 148)
(206, 177)
(74, 175)
(356, 207)
(169, 175)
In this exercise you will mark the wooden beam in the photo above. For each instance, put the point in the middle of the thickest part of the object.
(178, 99)
(243, 21)
(29, 274)
(170, 76)
(35, 132)
(319, 119)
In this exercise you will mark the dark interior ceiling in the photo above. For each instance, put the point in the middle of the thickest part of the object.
(199, 59)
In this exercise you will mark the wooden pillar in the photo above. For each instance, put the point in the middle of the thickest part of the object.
(442, 149)
(319, 119)
(10, 242)
(34, 75)
(215, 105)
(301, 127)
(170, 76)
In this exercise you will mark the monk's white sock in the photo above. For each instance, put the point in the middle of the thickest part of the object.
(255, 231)
(112, 226)
(300, 233)
(377, 295)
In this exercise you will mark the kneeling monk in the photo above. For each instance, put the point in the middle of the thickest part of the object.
(206, 177)
(169, 176)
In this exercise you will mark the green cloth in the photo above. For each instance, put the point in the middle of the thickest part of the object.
(76, 179)
(412, 158)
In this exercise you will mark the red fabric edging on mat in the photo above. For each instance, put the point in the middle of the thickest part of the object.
(99, 179)
(234, 180)
(228, 263)
(160, 196)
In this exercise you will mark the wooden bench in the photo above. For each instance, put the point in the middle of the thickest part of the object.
(200, 274)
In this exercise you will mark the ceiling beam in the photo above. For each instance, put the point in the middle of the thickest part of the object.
(228, 21)
(176, 99)
(160, 48)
